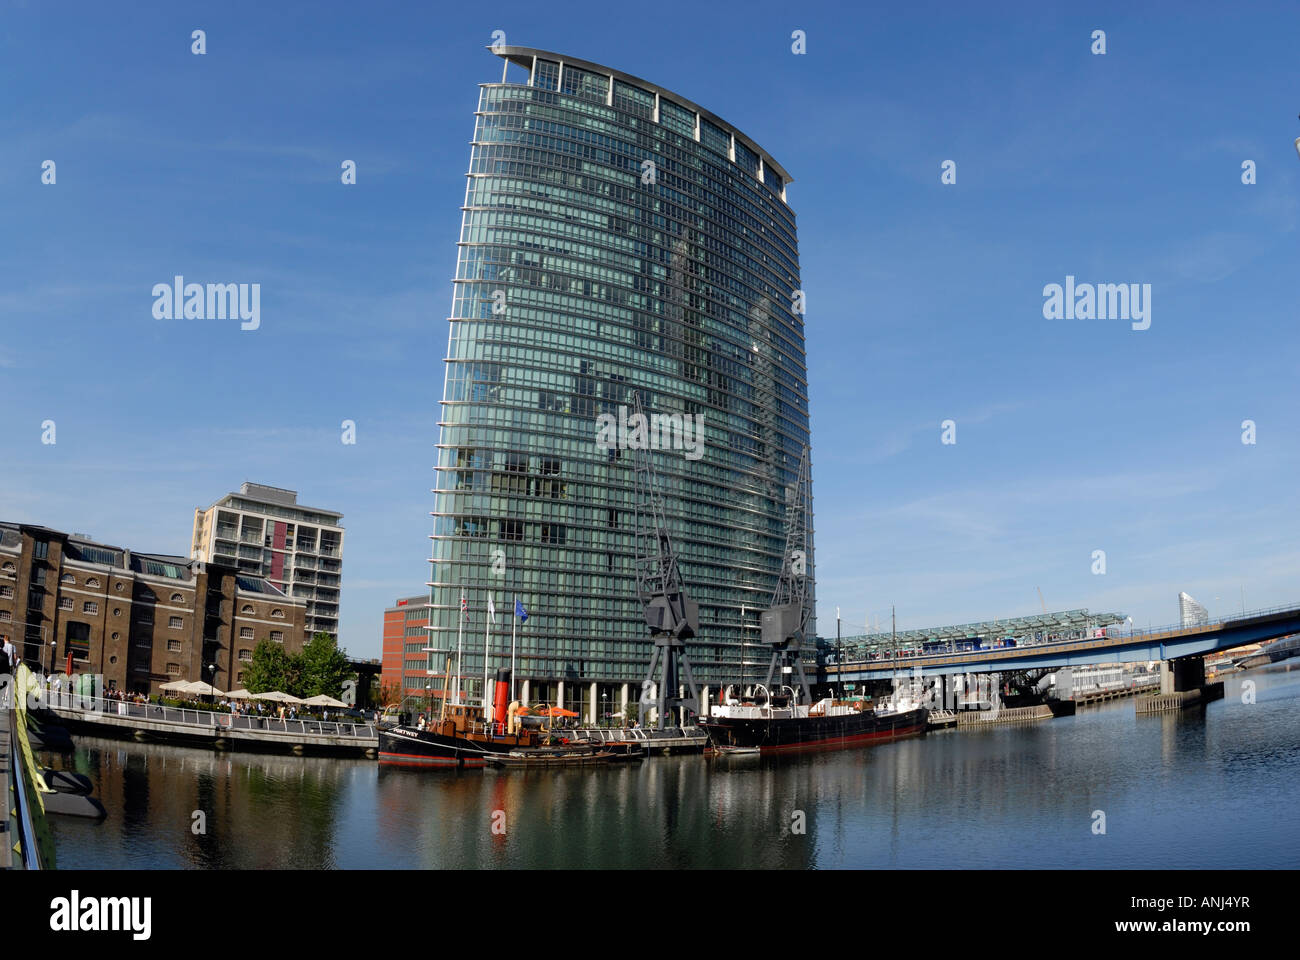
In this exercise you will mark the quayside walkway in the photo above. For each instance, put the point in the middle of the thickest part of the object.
(217, 730)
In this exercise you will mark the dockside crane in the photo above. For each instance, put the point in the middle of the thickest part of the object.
(786, 620)
(672, 617)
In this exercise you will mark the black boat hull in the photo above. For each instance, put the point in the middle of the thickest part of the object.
(406, 747)
(814, 733)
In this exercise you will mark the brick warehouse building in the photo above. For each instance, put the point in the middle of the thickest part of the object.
(139, 619)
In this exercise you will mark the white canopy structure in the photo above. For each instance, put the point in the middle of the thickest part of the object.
(277, 697)
(201, 688)
(322, 700)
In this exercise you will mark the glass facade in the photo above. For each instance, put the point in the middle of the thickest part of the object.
(616, 238)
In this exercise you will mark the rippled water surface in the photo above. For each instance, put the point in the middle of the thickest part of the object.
(1216, 787)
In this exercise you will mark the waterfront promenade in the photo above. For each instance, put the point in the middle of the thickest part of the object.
(6, 835)
(214, 729)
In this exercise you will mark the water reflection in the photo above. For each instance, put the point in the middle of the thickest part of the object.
(1207, 787)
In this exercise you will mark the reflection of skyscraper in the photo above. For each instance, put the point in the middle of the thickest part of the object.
(1191, 613)
(617, 238)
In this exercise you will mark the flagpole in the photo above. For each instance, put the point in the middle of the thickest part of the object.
(514, 631)
(487, 632)
(460, 633)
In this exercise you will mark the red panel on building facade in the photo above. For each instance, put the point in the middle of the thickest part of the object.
(277, 558)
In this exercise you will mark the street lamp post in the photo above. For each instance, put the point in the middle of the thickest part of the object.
(53, 647)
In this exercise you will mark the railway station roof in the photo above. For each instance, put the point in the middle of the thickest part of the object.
(1062, 621)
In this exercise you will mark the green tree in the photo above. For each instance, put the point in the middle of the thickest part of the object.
(324, 667)
(270, 669)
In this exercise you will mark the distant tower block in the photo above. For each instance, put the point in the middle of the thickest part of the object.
(1191, 613)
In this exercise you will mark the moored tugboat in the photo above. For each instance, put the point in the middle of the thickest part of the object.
(780, 724)
(459, 737)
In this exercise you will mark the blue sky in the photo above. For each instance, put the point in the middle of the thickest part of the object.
(925, 300)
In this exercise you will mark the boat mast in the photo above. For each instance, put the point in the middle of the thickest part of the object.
(446, 687)
(487, 633)
(460, 636)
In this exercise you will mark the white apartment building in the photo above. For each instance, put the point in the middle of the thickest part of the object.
(263, 531)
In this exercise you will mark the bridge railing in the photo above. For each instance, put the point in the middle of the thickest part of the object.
(211, 719)
(1164, 631)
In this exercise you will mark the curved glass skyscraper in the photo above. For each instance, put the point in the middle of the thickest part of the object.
(617, 238)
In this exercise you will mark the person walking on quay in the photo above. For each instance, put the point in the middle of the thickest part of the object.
(8, 656)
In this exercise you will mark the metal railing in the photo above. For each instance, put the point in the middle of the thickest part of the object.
(29, 844)
(1116, 638)
(210, 719)
(624, 734)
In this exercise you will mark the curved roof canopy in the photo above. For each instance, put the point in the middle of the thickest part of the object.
(524, 56)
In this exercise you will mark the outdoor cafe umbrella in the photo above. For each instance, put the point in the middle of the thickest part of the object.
(277, 696)
(177, 685)
(239, 695)
(322, 700)
(556, 712)
(202, 688)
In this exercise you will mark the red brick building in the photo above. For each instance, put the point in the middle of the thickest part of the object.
(405, 658)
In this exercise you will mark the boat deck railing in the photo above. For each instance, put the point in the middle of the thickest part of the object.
(628, 734)
(211, 719)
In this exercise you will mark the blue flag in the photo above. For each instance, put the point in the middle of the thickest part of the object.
(520, 612)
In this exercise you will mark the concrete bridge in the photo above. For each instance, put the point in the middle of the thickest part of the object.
(1178, 648)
